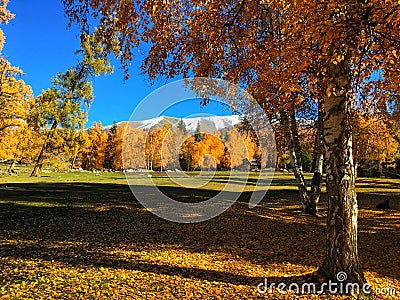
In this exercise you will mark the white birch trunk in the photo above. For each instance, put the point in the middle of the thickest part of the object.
(342, 251)
(291, 137)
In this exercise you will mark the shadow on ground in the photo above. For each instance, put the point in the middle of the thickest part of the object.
(83, 224)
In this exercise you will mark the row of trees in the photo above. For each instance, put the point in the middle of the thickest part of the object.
(163, 148)
(51, 124)
(101, 149)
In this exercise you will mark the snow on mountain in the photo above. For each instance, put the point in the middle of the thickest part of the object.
(207, 124)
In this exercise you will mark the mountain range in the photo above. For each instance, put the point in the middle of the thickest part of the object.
(207, 124)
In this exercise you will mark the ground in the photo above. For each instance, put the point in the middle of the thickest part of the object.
(84, 236)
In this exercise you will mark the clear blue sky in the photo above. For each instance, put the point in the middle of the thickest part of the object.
(39, 42)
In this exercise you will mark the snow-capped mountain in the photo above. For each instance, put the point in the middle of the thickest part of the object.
(207, 124)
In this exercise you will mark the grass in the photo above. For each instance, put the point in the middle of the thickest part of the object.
(79, 235)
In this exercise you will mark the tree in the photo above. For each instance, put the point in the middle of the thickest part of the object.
(153, 147)
(75, 141)
(207, 153)
(226, 163)
(182, 126)
(197, 135)
(18, 134)
(5, 16)
(171, 146)
(241, 149)
(133, 148)
(373, 139)
(94, 152)
(62, 105)
(333, 48)
(16, 102)
(118, 161)
(318, 161)
(20, 144)
(289, 126)
(16, 97)
(185, 153)
(111, 148)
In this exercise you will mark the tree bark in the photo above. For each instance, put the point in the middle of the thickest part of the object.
(341, 251)
(355, 168)
(289, 126)
(39, 162)
(318, 163)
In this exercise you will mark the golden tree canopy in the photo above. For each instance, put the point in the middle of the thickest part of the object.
(277, 49)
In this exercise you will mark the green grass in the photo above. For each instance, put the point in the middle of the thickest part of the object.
(282, 186)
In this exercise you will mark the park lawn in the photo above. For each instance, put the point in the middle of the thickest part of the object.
(83, 235)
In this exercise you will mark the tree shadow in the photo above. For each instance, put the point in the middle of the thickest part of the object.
(83, 223)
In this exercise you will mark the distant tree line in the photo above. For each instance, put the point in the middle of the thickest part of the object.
(376, 142)
(158, 150)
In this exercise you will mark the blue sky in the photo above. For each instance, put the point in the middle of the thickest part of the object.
(39, 42)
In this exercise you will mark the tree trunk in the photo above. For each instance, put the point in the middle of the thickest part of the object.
(341, 252)
(39, 162)
(289, 126)
(318, 163)
(355, 168)
(12, 167)
(73, 162)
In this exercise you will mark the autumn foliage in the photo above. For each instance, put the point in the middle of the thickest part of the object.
(158, 149)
